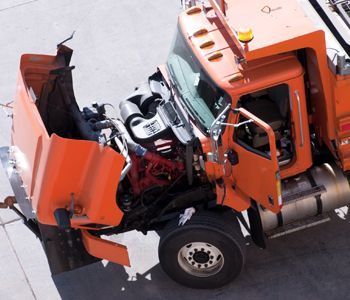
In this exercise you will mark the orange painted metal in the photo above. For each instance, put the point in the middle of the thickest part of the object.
(283, 29)
(105, 249)
(282, 70)
(280, 28)
(59, 172)
(341, 92)
(256, 176)
(300, 129)
(220, 11)
(222, 6)
(231, 197)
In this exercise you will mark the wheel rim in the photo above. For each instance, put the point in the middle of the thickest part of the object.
(200, 259)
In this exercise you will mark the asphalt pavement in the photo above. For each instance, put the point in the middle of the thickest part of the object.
(117, 45)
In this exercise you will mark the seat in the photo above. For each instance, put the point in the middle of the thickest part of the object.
(265, 109)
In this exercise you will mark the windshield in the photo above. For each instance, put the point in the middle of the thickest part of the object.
(202, 98)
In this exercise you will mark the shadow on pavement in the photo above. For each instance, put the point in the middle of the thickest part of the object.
(310, 264)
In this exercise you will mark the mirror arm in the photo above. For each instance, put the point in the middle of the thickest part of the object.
(217, 120)
(214, 131)
(237, 125)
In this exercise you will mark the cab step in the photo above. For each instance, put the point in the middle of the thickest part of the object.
(301, 195)
(297, 226)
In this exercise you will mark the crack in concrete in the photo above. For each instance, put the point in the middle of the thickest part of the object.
(20, 264)
(17, 5)
(2, 224)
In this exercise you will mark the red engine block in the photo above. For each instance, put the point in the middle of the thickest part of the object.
(147, 171)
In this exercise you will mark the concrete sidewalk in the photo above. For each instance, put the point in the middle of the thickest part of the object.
(117, 45)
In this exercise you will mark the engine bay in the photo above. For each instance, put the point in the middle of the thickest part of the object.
(164, 165)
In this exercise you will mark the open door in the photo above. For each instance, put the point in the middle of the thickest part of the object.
(257, 172)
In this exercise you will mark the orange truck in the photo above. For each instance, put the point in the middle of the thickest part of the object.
(247, 125)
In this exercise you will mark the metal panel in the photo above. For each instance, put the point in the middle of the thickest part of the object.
(16, 182)
(342, 7)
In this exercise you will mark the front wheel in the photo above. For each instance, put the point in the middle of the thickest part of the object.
(207, 252)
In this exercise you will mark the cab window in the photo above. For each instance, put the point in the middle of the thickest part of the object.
(271, 105)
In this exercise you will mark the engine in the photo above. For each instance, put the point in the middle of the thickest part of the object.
(155, 139)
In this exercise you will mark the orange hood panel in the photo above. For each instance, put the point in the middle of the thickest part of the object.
(59, 172)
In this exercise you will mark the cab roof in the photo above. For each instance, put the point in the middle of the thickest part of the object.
(274, 22)
(279, 27)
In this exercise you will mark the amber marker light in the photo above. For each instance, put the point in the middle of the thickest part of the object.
(245, 35)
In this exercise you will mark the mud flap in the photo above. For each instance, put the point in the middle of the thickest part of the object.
(64, 249)
(105, 249)
(256, 229)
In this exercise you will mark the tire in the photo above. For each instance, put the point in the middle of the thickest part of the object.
(212, 242)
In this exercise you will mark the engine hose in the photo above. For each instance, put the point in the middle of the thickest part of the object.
(132, 145)
(128, 162)
(82, 124)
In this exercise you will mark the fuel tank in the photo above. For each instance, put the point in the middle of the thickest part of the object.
(322, 189)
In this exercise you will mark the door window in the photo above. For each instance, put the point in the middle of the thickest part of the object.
(272, 106)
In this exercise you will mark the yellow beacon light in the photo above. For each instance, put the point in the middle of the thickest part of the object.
(245, 35)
